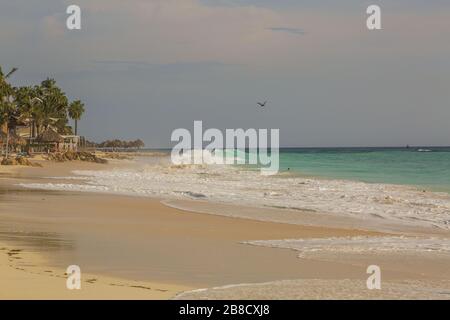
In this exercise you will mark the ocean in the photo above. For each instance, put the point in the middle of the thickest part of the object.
(424, 167)
(389, 185)
(427, 167)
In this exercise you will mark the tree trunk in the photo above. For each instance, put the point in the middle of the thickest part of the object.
(76, 127)
(7, 140)
(29, 138)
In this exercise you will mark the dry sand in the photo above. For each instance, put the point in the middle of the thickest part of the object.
(27, 275)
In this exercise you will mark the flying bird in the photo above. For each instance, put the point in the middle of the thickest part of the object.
(262, 104)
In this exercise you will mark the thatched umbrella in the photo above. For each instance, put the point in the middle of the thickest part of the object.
(49, 136)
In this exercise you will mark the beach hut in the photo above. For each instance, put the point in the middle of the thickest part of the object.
(50, 138)
(71, 143)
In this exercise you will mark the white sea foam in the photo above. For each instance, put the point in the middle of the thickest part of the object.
(234, 185)
(317, 248)
(203, 156)
(65, 187)
(323, 289)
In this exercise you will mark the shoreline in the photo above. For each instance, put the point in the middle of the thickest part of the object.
(184, 225)
(391, 205)
(62, 172)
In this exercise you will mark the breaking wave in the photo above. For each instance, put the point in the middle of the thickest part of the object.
(236, 185)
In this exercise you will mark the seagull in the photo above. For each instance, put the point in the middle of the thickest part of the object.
(262, 104)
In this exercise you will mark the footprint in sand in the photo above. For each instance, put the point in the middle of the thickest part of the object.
(141, 287)
(13, 252)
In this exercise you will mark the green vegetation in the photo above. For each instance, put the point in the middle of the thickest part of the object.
(37, 107)
(118, 144)
(76, 110)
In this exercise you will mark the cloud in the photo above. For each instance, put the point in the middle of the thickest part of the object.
(145, 64)
(203, 61)
(295, 31)
(122, 62)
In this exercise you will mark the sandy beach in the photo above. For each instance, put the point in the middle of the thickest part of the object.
(132, 247)
(228, 149)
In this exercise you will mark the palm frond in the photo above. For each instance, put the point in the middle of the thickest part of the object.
(11, 72)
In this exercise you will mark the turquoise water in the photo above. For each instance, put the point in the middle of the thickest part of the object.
(427, 166)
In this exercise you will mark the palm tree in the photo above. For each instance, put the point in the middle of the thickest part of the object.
(76, 110)
(3, 77)
(27, 100)
(51, 109)
(7, 106)
(40, 107)
(5, 112)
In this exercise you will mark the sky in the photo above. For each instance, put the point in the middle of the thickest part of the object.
(146, 67)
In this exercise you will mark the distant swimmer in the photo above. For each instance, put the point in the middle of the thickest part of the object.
(262, 104)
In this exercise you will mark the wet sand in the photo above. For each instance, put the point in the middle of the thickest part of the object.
(143, 241)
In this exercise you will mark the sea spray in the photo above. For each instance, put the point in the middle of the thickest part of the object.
(191, 150)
